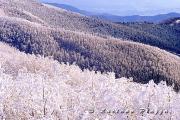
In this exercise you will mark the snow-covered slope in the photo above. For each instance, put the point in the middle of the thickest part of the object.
(40, 88)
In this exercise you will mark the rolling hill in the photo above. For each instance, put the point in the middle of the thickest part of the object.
(69, 37)
(170, 42)
(166, 33)
(159, 35)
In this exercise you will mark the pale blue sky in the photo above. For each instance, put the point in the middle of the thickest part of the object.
(124, 7)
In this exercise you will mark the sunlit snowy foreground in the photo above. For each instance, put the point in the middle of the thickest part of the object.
(39, 88)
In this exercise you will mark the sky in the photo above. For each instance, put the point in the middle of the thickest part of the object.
(124, 7)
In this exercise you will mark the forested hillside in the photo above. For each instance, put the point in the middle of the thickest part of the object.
(40, 88)
(68, 37)
(164, 32)
(175, 21)
(60, 18)
(127, 59)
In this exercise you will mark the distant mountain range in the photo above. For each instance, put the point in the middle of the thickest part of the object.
(72, 9)
(137, 18)
(116, 18)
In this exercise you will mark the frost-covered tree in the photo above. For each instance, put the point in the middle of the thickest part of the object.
(34, 87)
(126, 59)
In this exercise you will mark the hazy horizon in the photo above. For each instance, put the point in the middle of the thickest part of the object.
(123, 7)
